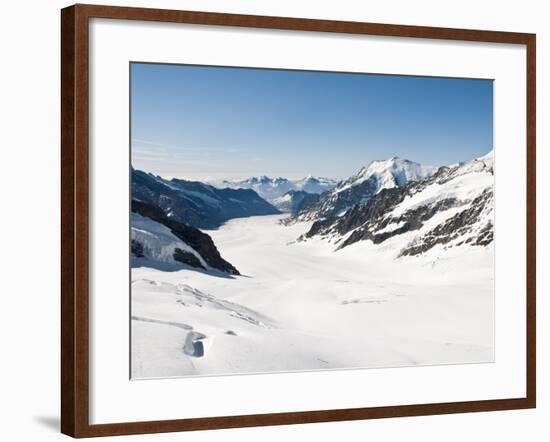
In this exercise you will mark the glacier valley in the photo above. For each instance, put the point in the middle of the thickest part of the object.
(302, 306)
(392, 267)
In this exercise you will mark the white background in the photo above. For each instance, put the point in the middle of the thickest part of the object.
(114, 398)
(30, 219)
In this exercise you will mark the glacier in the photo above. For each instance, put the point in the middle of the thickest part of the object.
(392, 267)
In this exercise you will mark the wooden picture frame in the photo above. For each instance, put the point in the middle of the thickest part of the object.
(75, 379)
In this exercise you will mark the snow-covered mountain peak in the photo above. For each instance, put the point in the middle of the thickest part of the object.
(488, 159)
(295, 200)
(309, 179)
(393, 172)
(273, 188)
(479, 165)
(314, 179)
(450, 208)
(262, 179)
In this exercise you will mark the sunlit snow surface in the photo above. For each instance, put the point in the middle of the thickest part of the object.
(303, 306)
(389, 173)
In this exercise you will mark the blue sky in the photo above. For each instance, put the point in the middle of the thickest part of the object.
(212, 122)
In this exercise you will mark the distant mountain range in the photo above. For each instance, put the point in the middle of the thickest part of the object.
(195, 203)
(272, 188)
(167, 216)
(396, 201)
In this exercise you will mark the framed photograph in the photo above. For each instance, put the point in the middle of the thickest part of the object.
(273, 220)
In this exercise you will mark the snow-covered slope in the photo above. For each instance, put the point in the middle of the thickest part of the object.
(312, 184)
(303, 306)
(295, 200)
(340, 298)
(394, 172)
(154, 243)
(452, 207)
(359, 188)
(273, 188)
(163, 243)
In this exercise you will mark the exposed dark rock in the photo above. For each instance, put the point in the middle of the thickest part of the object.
(199, 241)
(456, 226)
(485, 236)
(331, 204)
(372, 219)
(375, 208)
(137, 249)
(310, 199)
(361, 187)
(294, 201)
(187, 258)
(410, 220)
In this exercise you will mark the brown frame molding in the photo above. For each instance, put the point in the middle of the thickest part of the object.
(74, 219)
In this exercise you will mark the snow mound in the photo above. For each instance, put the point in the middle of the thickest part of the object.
(159, 243)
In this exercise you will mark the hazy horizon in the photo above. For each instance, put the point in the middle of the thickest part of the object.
(291, 178)
(214, 123)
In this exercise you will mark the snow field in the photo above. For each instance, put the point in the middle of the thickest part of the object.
(303, 306)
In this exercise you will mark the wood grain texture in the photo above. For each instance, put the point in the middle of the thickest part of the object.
(68, 343)
(75, 219)
(531, 221)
